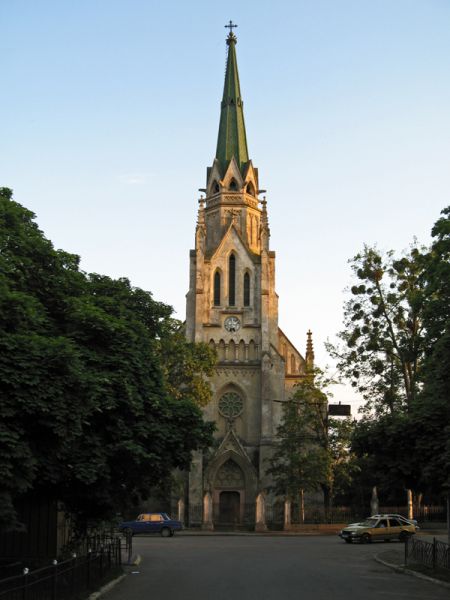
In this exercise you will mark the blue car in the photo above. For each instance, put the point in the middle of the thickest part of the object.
(152, 523)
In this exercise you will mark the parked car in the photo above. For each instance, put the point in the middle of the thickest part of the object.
(151, 523)
(378, 528)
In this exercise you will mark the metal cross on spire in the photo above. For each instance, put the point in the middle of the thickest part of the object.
(230, 26)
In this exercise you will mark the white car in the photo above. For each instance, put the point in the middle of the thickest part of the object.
(400, 517)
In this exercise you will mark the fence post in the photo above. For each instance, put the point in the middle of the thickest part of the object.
(406, 550)
(287, 515)
(434, 553)
(129, 545)
(181, 511)
(72, 578)
(207, 522)
(88, 569)
(54, 579)
(25, 583)
(260, 524)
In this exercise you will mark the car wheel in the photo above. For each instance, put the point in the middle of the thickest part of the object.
(165, 532)
(348, 540)
(404, 536)
(365, 538)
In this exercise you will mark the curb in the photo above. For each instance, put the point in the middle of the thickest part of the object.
(402, 569)
(106, 588)
(191, 533)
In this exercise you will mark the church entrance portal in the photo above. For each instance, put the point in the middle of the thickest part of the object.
(229, 508)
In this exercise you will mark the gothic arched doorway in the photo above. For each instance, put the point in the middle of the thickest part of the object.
(229, 494)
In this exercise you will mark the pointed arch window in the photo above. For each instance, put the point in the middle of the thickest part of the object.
(246, 289)
(232, 280)
(233, 185)
(292, 363)
(216, 188)
(217, 288)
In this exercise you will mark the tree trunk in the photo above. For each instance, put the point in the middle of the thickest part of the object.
(374, 502)
(448, 516)
(417, 501)
(302, 506)
(326, 502)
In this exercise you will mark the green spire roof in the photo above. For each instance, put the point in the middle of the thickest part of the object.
(232, 140)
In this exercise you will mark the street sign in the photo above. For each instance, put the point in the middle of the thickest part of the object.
(339, 410)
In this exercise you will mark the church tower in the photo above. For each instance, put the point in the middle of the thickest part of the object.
(232, 305)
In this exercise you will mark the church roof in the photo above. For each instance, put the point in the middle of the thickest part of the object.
(232, 140)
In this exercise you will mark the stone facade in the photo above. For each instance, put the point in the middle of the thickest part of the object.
(233, 306)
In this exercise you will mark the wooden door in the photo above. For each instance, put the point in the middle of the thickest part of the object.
(229, 508)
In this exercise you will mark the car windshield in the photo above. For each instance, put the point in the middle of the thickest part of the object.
(165, 516)
(369, 523)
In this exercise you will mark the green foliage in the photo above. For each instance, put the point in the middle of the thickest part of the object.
(186, 365)
(92, 412)
(312, 451)
(297, 463)
(432, 411)
(386, 445)
(406, 440)
(383, 329)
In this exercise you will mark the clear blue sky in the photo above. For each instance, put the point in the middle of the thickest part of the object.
(109, 118)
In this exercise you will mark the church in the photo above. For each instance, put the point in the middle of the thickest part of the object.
(232, 305)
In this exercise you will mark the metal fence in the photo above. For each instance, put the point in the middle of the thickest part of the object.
(68, 579)
(315, 514)
(351, 514)
(423, 513)
(435, 554)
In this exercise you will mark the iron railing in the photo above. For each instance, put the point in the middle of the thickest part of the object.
(71, 578)
(435, 554)
(274, 514)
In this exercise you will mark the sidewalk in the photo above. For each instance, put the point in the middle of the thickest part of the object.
(395, 559)
(429, 534)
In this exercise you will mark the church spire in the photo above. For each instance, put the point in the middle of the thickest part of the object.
(232, 140)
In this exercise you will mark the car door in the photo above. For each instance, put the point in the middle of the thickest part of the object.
(381, 530)
(155, 523)
(395, 527)
(139, 525)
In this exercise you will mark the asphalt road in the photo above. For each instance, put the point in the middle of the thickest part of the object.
(265, 568)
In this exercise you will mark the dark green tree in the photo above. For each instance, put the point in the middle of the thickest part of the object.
(312, 449)
(383, 331)
(186, 365)
(432, 410)
(90, 414)
(396, 354)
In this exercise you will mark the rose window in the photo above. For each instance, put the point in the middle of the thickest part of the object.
(231, 405)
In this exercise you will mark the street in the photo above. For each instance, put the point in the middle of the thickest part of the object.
(265, 568)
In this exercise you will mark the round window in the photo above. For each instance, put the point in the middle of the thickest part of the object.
(231, 405)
